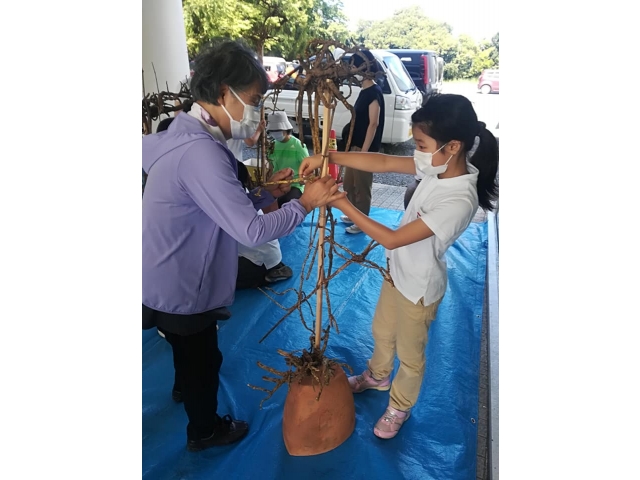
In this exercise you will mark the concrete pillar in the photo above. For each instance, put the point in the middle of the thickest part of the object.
(164, 43)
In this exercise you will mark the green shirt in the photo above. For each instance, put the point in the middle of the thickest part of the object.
(289, 154)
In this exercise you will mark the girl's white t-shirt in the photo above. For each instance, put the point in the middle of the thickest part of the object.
(446, 206)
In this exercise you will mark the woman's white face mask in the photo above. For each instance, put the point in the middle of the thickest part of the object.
(247, 126)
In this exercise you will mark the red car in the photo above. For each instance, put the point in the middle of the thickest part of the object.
(489, 81)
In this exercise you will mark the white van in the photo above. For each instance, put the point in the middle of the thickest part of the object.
(274, 66)
(401, 96)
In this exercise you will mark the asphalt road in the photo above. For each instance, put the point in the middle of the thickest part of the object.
(487, 109)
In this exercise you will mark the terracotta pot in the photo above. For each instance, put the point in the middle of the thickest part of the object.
(312, 427)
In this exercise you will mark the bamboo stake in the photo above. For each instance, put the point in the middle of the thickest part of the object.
(262, 144)
(322, 220)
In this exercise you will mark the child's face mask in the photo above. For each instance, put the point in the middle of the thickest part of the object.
(278, 135)
(424, 163)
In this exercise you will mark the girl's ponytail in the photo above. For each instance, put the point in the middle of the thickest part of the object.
(485, 159)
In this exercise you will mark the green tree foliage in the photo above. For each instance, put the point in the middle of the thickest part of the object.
(407, 28)
(207, 19)
(283, 28)
(323, 20)
(274, 21)
(495, 53)
(411, 28)
(277, 27)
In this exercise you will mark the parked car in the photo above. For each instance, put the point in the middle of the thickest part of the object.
(401, 97)
(425, 67)
(489, 81)
(275, 67)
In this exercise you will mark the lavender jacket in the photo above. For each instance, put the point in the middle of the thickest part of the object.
(194, 213)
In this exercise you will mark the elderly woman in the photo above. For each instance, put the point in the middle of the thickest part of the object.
(194, 213)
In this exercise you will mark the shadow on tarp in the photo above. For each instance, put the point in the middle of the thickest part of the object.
(438, 442)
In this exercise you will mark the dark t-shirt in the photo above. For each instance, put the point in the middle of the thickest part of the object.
(367, 95)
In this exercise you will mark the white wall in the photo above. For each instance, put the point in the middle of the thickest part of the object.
(164, 42)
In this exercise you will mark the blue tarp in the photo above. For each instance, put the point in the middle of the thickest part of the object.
(438, 441)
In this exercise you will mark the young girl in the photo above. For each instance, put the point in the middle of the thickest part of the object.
(289, 152)
(458, 157)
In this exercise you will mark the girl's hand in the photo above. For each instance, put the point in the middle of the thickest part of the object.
(310, 164)
(340, 203)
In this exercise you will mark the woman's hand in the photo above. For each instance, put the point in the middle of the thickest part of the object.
(320, 192)
(280, 189)
(310, 164)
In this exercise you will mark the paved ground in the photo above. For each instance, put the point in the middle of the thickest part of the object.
(387, 196)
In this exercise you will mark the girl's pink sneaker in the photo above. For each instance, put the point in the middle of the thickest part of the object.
(360, 383)
(390, 423)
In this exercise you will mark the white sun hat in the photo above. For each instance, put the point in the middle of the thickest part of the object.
(279, 121)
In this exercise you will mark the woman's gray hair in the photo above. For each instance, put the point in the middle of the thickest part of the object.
(227, 63)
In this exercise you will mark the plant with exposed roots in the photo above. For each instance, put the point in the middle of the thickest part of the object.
(319, 78)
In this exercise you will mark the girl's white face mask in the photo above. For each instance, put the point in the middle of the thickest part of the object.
(246, 127)
(424, 163)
